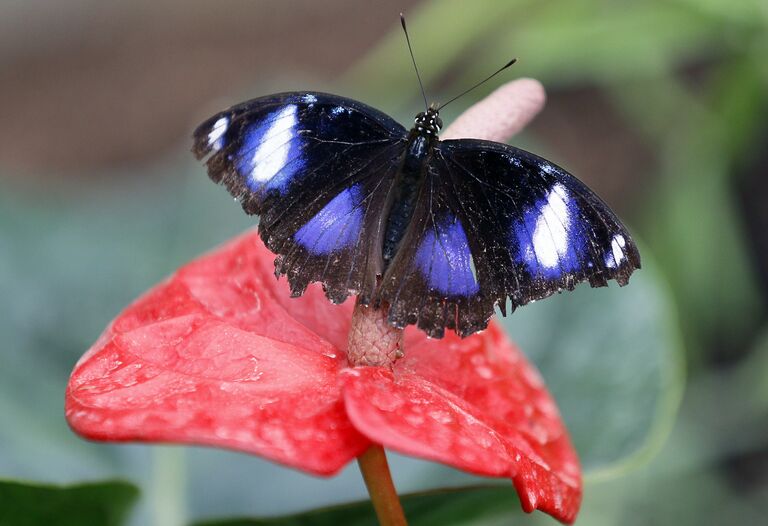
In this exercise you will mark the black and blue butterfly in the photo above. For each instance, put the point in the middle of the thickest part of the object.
(438, 233)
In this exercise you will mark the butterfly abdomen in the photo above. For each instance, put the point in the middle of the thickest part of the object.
(405, 192)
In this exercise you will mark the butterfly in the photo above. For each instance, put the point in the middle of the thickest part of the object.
(438, 233)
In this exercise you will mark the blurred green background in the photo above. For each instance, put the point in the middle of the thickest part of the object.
(660, 106)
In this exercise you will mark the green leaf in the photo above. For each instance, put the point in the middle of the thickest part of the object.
(96, 504)
(744, 12)
(696, 217)
(468, 506)
(721, 423)
(567, 43)
(612, 358)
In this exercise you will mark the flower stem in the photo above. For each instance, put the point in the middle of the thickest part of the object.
(373, 342)
(375, 469)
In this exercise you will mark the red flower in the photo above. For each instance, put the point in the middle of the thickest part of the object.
(220, 355)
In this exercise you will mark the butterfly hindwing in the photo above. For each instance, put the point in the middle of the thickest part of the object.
(338, 242)
(432, 280)
(316, 168)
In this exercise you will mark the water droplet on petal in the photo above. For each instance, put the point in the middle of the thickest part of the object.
(484, 372)
(386, 401)
(443, 417)
(414, 419)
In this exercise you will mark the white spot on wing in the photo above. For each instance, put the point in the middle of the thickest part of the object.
(272, 154)
(309, 98)
(550, 236)
(616, 256)
(216, 135)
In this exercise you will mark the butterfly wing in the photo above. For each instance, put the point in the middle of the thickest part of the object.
(511, 225)
(431, 281)
(316, 168)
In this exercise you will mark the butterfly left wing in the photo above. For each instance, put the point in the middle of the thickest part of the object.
(316, 168)
(497, 222)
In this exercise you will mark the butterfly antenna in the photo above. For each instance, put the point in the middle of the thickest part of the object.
(410, 50)
(502, 68)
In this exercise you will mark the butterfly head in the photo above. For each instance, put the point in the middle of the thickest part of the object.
(429, 121)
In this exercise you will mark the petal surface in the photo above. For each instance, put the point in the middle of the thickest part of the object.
(220, 355)
(475, 404)
(209, 357)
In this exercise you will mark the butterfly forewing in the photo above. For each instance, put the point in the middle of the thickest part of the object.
(317, 169)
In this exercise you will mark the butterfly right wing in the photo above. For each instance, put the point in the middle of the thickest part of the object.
(537, 229)
(494, 223)
(316, 168)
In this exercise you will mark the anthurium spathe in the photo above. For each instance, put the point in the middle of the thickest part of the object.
(220, 355)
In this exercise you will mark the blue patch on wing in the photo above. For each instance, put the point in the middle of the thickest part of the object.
(445, 260)
(271, 153)
(336, 226)
(548, 238)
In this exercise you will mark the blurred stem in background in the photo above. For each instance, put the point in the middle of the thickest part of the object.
(168, 486)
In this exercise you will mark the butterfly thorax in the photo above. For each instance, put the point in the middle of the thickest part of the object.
(410, 179)
(428, 122)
